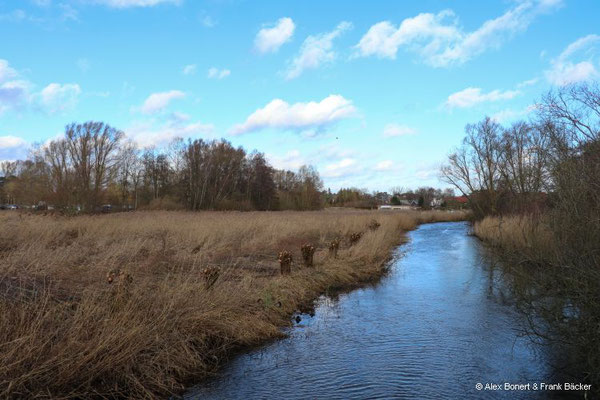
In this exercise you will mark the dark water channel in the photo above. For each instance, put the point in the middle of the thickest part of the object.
(439, 323)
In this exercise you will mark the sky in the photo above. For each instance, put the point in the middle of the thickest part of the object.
(374, 94)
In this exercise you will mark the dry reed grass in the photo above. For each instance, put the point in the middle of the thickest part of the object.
(186, 290)
(519, 234)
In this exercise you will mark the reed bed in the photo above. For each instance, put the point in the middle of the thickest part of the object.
(523, 235)
(141, 304)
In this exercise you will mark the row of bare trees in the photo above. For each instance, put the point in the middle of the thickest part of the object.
(555, 156)
(93, 165)
(500, 168)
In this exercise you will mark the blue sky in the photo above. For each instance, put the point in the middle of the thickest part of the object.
(375, 94)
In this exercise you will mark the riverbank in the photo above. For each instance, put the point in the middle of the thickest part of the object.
(555, 285)
(139, 304)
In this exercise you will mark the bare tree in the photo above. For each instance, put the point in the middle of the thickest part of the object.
(93, 148)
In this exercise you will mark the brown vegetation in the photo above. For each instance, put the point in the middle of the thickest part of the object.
(187, 289)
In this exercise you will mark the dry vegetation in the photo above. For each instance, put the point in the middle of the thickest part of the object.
(139, 304)
(525, 235)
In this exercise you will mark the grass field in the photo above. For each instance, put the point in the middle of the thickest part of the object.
(141, 304)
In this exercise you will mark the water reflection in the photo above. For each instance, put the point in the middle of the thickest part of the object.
(439, 323)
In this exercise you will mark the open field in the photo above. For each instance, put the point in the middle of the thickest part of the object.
(167, 318)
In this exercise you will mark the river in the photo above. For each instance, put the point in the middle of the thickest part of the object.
(437, 324)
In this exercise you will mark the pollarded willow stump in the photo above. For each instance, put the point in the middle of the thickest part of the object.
(285, 262)
(308, 253)
(355, 237)
(374, 225)
(334, 246)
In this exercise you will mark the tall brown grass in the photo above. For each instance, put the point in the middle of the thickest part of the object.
(522, 234)
(66, 332)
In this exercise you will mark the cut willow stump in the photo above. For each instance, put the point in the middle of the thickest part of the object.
(355, 237)
(285, 262)
(374, 225)
(308, 252)
(334, 246)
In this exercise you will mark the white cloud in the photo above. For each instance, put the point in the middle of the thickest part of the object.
(298, 116)
(440, 41)
(529, 82)
(315, 51)
(11, 141)
(6, 72)
(427, 171)
(472, 96)
(270, 39)
(386, 165)
(53, 98)
(344, 167)
(215, 73)
(189, 69)
(157, 102)
(333, 151)
(510, 114)
(391, 130)
(134, 3)
(292, 160)
(12, 148)
(13, 94)
(153, 133)
(565, 70)
(58, 97)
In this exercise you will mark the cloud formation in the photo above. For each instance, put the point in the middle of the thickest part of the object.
(473, 96)
(440, 41)
(12, 148)
(189, 69)
(386, 165)
(16, 92)
(58, 97)
(133, 3)
(344, 167)
(215, 73)
(157, 102)
(298, 116)
(391, 130)
(156, 133)
(270, 39)
(13, 91)
(315, 51)
(565, 70)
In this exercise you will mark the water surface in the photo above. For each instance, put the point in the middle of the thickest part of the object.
(439, 323)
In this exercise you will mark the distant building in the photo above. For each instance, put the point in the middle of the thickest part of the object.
(404, 205)
(435, 203)
(461, 199)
